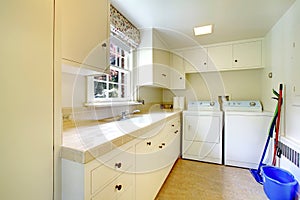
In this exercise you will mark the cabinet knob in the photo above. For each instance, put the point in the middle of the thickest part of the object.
(118, 165)
(104, 45)
(204, 63)
(164, 75)
(118, 187)
(173, 125)
(236, 61)
(176, 131)
(180, 78)
(148, 143)
(160, 146)
(164, 144)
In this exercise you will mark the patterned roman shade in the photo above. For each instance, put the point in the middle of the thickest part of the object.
(123, 29)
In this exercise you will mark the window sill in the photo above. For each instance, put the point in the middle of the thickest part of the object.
(110, 104)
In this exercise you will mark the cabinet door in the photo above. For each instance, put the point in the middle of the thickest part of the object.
(177, 75)
(196, 60)
(161, 75)
(219, 58)
(161, 68)
(247, 55)
(85, 33)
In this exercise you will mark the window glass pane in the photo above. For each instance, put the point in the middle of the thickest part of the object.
(112, 59)
(100, 90)
(101, 77)
(122, 91)
(122, 63)
(113, 90)
(123, 78)
(114, 76)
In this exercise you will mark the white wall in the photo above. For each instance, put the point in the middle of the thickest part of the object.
(283, 60)
(240, 85)
(73, 90)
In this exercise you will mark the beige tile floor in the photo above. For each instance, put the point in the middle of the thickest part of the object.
(191, 180)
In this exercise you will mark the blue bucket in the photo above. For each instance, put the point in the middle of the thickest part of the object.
(278, 183)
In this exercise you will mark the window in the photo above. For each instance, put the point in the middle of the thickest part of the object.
(116, 84)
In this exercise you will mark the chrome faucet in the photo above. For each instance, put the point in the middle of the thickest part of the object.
(124, 114)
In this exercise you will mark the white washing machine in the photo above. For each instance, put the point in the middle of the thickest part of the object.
(246, 129)
(202, 132)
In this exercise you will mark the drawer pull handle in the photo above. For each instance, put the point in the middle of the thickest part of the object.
(164, 75)
(118, 165)
(176, 132)
(149, 143)
(118, 187)
(103, 45)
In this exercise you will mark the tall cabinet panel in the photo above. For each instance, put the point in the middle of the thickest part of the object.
(26, 75)
(85, 33)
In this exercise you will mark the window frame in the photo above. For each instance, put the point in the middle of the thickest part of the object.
(129, 79)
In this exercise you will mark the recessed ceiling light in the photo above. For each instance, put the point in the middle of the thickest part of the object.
(202, 30)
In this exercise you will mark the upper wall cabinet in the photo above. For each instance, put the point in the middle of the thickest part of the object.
(85, 33)
(153, 67)
(195, 60)
(221, 57)
(177, 75)
(213, 58)
(247, 55)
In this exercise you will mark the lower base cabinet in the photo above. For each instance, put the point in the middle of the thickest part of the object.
(149, 184)
(136, 170)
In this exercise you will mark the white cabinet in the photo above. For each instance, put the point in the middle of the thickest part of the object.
(219, 58)
(122, 188)
(247, 55)
(107, 177)
(177, 73)
(213, 58)
(135, 170)
(85, 33)
(225, 56)
(153, 67)
(195, 60)
(155, 157)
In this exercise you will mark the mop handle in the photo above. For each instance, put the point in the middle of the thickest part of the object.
(277, 123)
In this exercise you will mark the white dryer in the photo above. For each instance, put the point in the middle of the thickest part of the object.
(246, 129)
(202, 132)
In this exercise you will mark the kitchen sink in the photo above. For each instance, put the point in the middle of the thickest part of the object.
(118, 118)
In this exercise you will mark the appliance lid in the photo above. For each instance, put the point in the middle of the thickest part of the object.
(250, 106)
(204, 105)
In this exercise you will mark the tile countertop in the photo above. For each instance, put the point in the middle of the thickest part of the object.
(83, 143)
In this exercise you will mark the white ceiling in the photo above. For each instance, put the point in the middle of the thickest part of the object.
(232, 19)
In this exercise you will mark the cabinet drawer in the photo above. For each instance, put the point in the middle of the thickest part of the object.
(120, 188)
(108, 171)
(158, 155)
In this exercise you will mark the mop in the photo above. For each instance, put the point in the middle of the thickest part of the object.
(256, 173)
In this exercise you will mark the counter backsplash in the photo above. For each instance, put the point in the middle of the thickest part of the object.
(87, 114)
